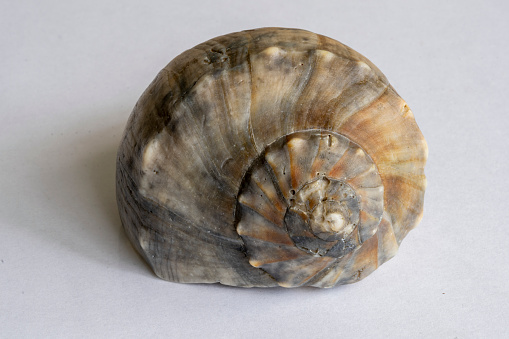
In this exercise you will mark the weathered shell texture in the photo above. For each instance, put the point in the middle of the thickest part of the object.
(270, 157)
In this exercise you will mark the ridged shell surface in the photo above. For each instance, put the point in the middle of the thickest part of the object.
(270, 157)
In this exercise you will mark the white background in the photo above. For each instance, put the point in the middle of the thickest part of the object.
(70, 73)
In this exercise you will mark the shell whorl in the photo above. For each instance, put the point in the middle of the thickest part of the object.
(270, 157)
(310, 199)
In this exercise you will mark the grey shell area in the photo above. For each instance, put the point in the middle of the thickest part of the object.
(203, 121)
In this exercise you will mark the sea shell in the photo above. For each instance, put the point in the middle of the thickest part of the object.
(270, 157)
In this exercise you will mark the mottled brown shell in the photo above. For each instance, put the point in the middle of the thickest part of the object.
(270, 157)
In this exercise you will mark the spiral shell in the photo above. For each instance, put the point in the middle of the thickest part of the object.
(270, 157)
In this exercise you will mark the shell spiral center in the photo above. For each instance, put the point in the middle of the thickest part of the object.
(328, 207)
(310, 198)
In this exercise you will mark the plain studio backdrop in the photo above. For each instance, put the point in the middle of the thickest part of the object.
(70, 74)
